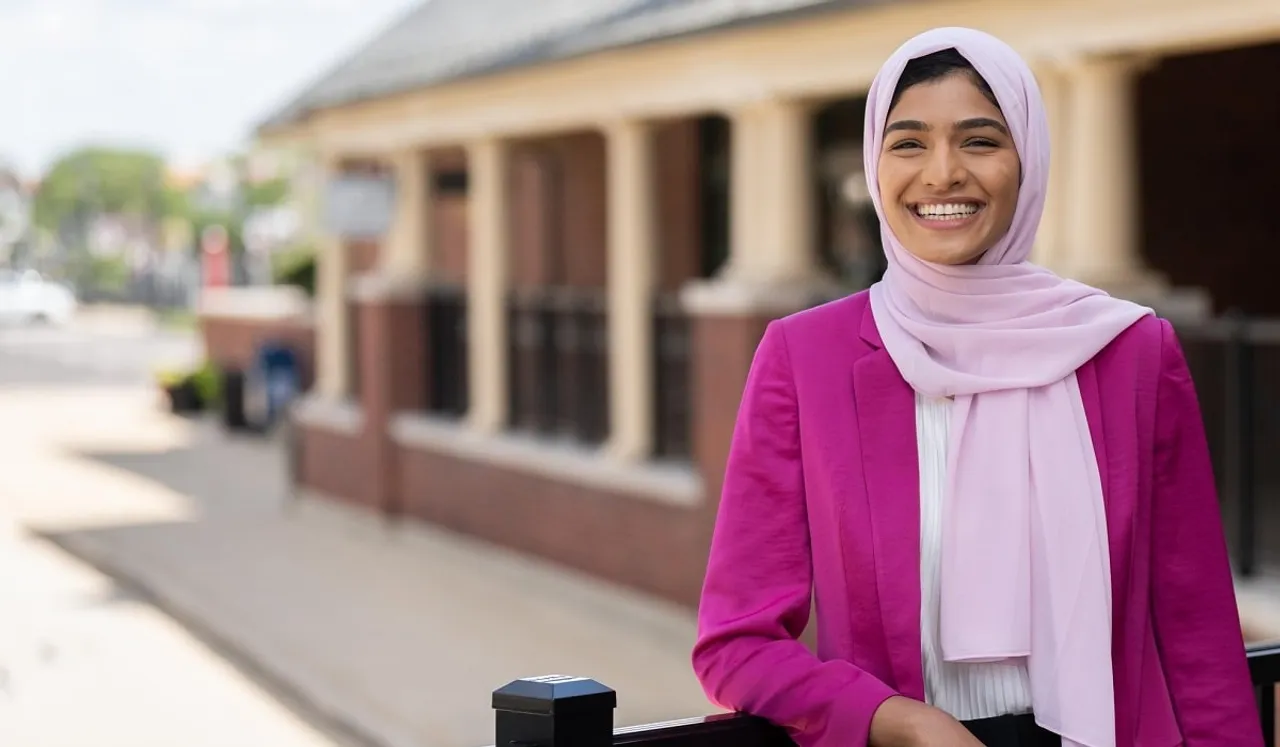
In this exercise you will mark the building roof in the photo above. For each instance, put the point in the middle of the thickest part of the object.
(443, 40)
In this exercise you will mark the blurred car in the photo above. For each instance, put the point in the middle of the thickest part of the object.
(27, 298)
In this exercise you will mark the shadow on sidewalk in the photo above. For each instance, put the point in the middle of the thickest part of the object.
(391, 634)
(127, 588)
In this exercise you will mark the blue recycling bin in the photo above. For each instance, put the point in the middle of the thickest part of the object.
(276, 380)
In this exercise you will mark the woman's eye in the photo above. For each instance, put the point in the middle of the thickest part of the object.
(904, 145)
(983, 143)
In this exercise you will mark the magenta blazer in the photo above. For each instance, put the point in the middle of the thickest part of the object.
(821, 504)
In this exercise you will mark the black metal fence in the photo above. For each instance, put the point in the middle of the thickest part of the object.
(673, 398)
(1235, 363)
(558, 377)
(560, 711)
(558, 365)
(446, 331)
(353, 359)
(1264, 667)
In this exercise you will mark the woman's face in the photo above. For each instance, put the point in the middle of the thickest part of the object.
(948, 172)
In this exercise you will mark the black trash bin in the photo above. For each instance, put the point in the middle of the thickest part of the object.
(233, 412)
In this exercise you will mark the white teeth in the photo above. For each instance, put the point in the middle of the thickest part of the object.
(951, 210)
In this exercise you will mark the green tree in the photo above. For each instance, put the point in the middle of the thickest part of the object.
(266, 194)
(95, 181)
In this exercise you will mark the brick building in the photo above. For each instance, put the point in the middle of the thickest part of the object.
(600, 204)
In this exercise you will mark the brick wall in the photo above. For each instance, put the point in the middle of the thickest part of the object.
(230, 342)
(337, 465)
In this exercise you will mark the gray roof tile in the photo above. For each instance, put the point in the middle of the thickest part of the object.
(448, 39)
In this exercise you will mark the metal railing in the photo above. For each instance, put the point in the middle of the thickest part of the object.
(560, 711)
(558, 376)
(445, 326)
(355, 385)
(1264, 668)
(672, 388)
(1235, 363)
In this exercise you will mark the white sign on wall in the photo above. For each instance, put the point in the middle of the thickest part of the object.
(359, 206)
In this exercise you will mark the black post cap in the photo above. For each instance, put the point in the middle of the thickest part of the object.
(554, 694)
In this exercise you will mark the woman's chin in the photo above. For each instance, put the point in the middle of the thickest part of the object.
(950, 255)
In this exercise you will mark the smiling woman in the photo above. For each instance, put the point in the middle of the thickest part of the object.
(994, 563)
(949, 171)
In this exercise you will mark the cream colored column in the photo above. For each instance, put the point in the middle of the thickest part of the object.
(1100, 226)
(632, 273)
(772, 195)
(332, 321)
(1048, 238)
(487, 268)
(407, 255)
(744, 196)
(333, 325)
(787, 209)
(331, 318)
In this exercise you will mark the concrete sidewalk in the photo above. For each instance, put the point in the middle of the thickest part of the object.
(395, 635)
(86, 661)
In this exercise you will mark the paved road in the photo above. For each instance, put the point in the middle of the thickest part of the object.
(95, 350)
(84, 661)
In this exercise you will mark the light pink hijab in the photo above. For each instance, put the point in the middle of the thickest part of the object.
(1025, 563)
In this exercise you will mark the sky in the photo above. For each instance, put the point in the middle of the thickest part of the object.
(188, 78)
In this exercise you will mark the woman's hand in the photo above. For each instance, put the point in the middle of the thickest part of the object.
(903, 722)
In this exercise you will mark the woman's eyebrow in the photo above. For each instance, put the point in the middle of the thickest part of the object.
(907, 124)
(973, 123)
(977, 123)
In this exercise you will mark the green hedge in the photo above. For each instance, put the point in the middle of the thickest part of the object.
(296, 267)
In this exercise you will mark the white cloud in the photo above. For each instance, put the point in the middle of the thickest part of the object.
(187, 76)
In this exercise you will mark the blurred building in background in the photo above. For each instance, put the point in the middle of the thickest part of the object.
(15, 214)
(556, 231)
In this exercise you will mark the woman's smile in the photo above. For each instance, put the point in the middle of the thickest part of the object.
(947, 216)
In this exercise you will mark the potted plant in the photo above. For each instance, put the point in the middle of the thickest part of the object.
(190, 391)
(179, 388)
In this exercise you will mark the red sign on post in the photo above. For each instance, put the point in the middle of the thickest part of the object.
(215, 257)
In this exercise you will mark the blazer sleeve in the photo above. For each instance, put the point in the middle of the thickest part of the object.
(1197, 624)
(756, 595)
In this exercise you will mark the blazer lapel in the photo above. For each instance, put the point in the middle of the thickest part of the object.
(1120, 517)
(890, 465)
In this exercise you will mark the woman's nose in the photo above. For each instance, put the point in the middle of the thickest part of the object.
(943, 170)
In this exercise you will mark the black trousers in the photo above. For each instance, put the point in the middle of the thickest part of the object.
(1012, 731)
